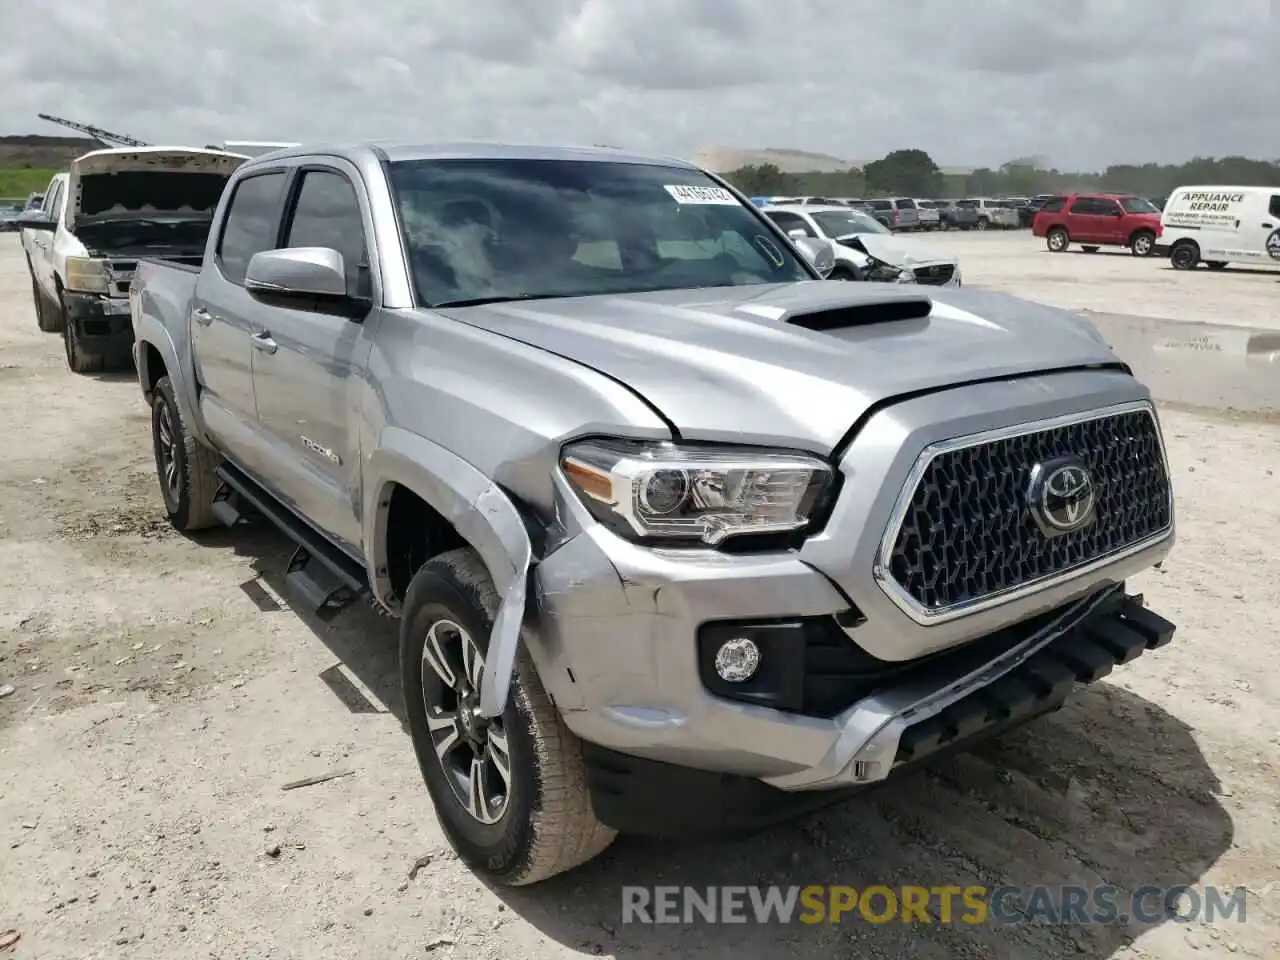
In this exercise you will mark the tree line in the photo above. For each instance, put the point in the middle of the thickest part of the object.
(913, 173)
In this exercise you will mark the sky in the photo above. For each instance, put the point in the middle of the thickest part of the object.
(1081, 83)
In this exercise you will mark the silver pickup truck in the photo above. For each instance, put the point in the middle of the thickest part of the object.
(682, 538)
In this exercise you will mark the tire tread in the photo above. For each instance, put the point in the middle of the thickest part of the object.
(566, 833)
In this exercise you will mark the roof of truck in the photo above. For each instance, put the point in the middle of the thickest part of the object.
(473, 150)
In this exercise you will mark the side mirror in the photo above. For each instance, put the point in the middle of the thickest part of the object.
(818, 253)
(297, 271)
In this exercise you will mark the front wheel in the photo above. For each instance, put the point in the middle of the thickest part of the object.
(1057, 240)
(1142, 243)
(185, 467)
(843, 273)
(983, 223)
(510, 792)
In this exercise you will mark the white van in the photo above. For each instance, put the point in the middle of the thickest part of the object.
(1221, 225)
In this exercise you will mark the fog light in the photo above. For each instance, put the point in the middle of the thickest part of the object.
(737, 660)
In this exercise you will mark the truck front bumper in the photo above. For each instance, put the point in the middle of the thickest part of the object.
(851, 684)
(100, 323)
(628, 644)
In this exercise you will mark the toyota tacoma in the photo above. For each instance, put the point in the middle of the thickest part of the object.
(681, 536)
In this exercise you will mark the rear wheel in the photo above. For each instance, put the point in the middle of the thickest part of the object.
(983, 223)
(510, 792)
(185, 467)
(1142, 243)
(1216, 264)
(1185, 255)
(1057, 240)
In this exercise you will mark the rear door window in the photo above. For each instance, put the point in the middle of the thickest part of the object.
(1274, 209)
(253, 219)
(905, 204)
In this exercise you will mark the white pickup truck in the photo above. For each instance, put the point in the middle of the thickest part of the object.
(112, 207)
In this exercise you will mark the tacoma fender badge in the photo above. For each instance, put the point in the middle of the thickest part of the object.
(323, 451)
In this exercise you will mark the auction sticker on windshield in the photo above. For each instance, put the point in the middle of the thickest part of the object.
(717, 196)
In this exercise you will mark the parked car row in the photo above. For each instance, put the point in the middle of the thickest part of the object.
(671, 527)
(911, 214)
(1213, 225)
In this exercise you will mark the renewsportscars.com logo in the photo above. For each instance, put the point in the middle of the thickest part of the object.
(971, 905)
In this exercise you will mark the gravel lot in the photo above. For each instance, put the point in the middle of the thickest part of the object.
(1113, 280)
(165, 694)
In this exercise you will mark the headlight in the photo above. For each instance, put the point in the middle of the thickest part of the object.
(663, 491)
(86, 276)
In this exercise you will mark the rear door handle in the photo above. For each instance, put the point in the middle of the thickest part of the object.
(262, 341)
(1267, 226)
(203, 316)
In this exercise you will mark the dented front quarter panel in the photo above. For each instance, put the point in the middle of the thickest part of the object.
(485, 517)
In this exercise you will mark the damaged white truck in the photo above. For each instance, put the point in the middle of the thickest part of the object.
(112, 207)
(682, 537)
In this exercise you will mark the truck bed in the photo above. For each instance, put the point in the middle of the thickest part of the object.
(187, 264)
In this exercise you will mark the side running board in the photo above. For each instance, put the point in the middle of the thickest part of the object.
(323, 577)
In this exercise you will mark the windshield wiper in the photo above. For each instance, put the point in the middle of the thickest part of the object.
(481, 301)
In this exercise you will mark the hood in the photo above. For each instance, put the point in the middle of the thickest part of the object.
(168, 182)
(896, 251)
(794, 364)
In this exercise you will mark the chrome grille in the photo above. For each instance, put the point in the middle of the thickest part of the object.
(967, 533)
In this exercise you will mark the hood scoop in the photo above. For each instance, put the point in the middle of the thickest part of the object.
(863, 314)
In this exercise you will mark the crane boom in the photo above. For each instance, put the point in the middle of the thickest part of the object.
(105, 136)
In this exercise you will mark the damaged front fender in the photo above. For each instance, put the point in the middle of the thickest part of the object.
(484, 516)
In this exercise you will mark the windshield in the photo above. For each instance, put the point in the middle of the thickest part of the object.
(503, 229)
(841, 223)
(1138, 205)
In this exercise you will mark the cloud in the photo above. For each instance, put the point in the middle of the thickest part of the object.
(1084, 83)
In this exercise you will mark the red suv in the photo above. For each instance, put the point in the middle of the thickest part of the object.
(1096, 220)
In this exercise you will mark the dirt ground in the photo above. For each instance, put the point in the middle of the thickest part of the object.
(1019, 263)
(165, 694)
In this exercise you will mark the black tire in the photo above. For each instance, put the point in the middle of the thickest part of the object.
(983, 223)
(842, 272)
(49, 317)
(1057, 240)
(545, 823)
(1090, 249)
(1216, 264)
(1185, 255)
(1142, 243)
(188, 492)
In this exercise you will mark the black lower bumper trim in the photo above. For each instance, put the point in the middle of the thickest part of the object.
(95, 327)
(1119, 632)
(648, 797)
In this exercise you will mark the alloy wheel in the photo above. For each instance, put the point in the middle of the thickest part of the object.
(167, 441)
(472, 750)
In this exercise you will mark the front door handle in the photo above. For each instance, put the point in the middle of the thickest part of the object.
(262, 341)
(202, 316)
(1267, 226)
